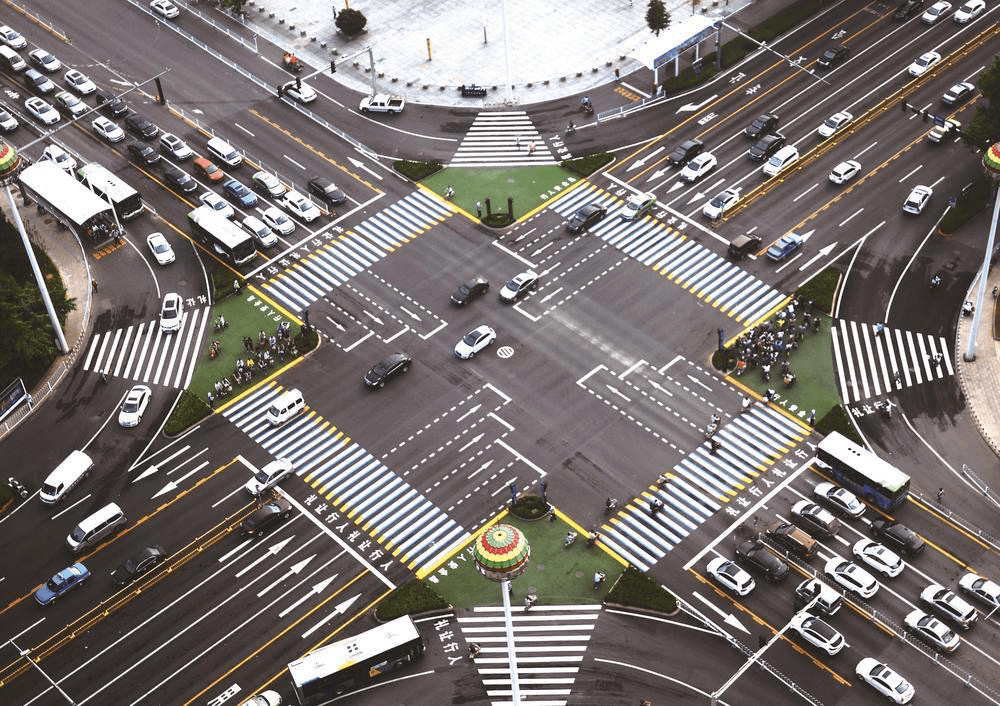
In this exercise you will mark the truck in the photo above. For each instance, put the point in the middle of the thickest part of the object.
(382, 103)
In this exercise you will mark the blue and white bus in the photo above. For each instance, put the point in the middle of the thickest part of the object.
(859, 470)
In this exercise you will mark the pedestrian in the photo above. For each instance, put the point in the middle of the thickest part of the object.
(529, 601)
(474, 650)
(816, 324)
(940, 494)
(236, 286)
(746, 402)
(996, 290)
(599, 577)
(211, 399)
(479, 208)
(531, 148)
(812, 417)
(93, 283)
(517, 143)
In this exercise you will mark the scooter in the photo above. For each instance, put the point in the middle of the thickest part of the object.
(17, 487)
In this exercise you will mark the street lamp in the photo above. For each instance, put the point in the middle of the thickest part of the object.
(991, 163)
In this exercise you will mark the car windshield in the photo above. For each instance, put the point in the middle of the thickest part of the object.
(160, 247)
(52, 584)
(262, 476)
(77, 534)
(463, 290)
(719, 200)
(131, 405)
(470, 338)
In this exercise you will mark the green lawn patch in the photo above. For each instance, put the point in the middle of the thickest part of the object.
(409, 599)
(588, 164)
(417, 171)
(821, 289)
(635, 588)
(189, 410)
(967, 206)
(528, 187)
(837, 419)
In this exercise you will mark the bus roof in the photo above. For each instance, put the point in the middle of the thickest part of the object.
(227, 232)
(61, 190)
(866, 462)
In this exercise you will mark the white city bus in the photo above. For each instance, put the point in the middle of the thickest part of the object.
(859, 470)
(68, 201)
(222, 236)
(126, 200)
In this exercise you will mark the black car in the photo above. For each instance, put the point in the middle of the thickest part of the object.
(898, 537)
(908, 9)
(271, 513)
(766, 146)
(959, 93)
(327, 191)
(388, 367)
(180, 181)
(686, 151)
(109, 104)
(585, 217)
(466, 292)
(143, 154)
(833, 56)
(143, 562)
(38, 81)
(761, 126)
(140, 126)
(758, 557)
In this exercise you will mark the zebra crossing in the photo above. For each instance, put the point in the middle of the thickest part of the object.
(700, 485)
(146, 354)
(353, 481)
(870, 364)
(502, 139)
(331, 264)
(549, 641)
(708, 276)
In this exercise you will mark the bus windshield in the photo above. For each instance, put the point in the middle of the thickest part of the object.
(859, 470)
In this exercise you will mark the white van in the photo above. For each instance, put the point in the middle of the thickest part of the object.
(95, 528)
(12, 60)
(287, 405)
(781, 160)
(224, 152)
(64, 478)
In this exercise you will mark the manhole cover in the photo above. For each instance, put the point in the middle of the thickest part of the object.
(505, 351)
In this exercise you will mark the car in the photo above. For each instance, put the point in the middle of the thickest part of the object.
(267, 516)
(136, 566)
(12, 38)
(818, 633)
(698, 167)
(884, 680)
(165, 9)
(217, 203)
(110, 104)
(717, 207)
(761, 559)
(41, 111)
(898, 537)
(845, 171)
(264, 698)
(277, 221)
(57, 154)
(79, 83)
(300, 91)
(931, 630)
(765, 147)
(171, 312)
(840, 499)
(731, 576)
(882, 559)
(141, 126)
(851, 577)
(133, 406)
(39, 82)
(939, 132)
(935, 12)
(325, 190)
(264, 236)
(791, 539)
(923, 63)
(267, 184)
(300, 207)
(833, 56)
(785, 246)
(8, 123)
(239, 193)
(917, 200)
(637, 205)
(949, 606)
(969, 11)
(41, 59)
(959, 93)
(908, 9)
(269, 476)
(143, 154)
(814, 595)
(470, 289)
(814, 519)
(61, 583)
(519, 285)
(474, 341)
(585, 217)
(181, 181)
(107, 130)
(834, 124)
(160, 248)
(981, 589)
(175, 147)
(686, 151)
(208, 169)
(762, 125)
(70, 104)
(387, 368)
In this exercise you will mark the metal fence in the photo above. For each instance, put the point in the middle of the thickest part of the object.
(39, 20)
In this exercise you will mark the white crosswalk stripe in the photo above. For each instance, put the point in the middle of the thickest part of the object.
(871, 364)
(333, 263)
(146, 354)
(352, 482)
(549, 642)
(685, 262)
(700, 485)
(502, 139)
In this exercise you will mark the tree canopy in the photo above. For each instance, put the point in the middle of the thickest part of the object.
(657, 17)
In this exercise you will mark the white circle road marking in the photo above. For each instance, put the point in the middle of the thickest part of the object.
(505, 351)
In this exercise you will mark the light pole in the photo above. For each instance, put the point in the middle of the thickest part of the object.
(506, 52)
(991, 163)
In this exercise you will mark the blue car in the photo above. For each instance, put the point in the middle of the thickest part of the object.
(785, 246)
(63, 582)
(239, 193)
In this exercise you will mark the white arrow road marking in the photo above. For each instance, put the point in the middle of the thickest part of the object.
(480, 469)
(316, 590)
(690, 107)
(822, 253)
(473, 441)
(617, 392)
(641, 161)
(273, 551)
(662, 389)
(293, 569)
(409, 313)
(471, 411)
(335, 323)
(360, 165)
(657, 174)
(372, 317)
(339, 610)
(728, 618)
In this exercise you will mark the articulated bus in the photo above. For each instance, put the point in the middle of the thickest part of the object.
(222, 236)
(859, 470)
(126, 201)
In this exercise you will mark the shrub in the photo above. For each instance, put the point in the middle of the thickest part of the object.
(969, 204)
(821, 289)
(408, 599)
(783, 20)
(306, 339)
(497, 219)
(222, 283)
(636, 589)
(837, 419)
(724, 360)
(529, 507)
(190, 410)
(588, 164)
(351, 21)
(416, 171)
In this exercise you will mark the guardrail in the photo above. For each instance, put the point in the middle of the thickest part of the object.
(39, 20)
(222, 28)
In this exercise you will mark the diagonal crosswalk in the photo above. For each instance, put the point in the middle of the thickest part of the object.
(350, 479)
(502, 139)
(700, 484)
(870, 364)
(685, 262)
(146, 354)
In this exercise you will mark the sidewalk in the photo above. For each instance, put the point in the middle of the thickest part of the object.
(980, 379)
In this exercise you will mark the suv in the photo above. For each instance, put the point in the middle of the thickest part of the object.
(110, 105)
(833, 56)
(897, 537)
(686, 151)
(140, 126)
(327, 191)
(272, 513)
(143, 154)
(763, 125)
(761, 559)
(743, 245)
(792, 539)
(908, 9)
(175, 147)
(766, 146)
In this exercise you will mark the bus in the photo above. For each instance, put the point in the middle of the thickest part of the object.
(126, 201)
(355, 661)
(69, 202)
(859, 470)
(222, 236)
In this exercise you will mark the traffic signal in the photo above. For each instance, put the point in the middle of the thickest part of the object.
(298, 83)
(333, 66)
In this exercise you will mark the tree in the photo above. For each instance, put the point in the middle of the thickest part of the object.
(657, 17)
(984, 128)
(235, 5)
(351, 21)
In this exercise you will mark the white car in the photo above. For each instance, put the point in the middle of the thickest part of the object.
(717, 207)
(840, 499)
(818, 633)
(134, 405)
(175, 147)
(171, 312)
(923, 63)
(277, 221)
(882, 559)
(969, 11)
(71, 104)
(217, 203)
(884, 680)
(300, 207)
(932, 630)
(267, 184)
(474, 341)
(164, 8)
(834, 124)
(8, 123)
(845, 171)
(518, 285)
(637, 205)
(43, 60)
(938, 133)
(304, 94)
(698, 167)
(78, 82)
(264, 236)
(41, 111)
(12, 38)
(160, 248)
(851, 577)
(270, 475)
(935, 12)
(107, 130)
(981, 588)
(917, 199)
(731, 576)
(949, 606)
(57, 154)
(264, 698)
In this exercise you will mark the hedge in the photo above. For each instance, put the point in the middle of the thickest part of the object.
(588, 164)
(410, 598)
(636, 589)
(416, 171)
(821, 289)
(969, 204)
(837, 419)
(190, 410)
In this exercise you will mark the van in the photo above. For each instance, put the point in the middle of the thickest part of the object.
(12, 60)
(64, 478)
(743, 245)
(827, 600)
(781, 160)
(96, 527)
(224, 152)
(287, 405)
